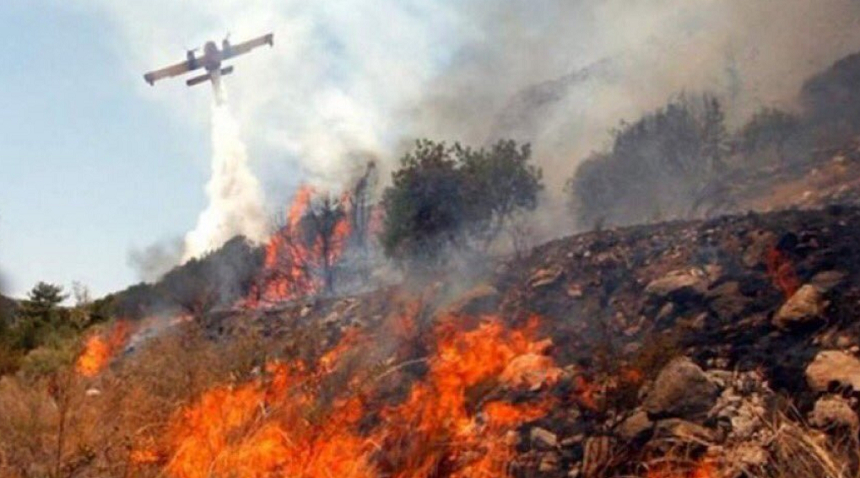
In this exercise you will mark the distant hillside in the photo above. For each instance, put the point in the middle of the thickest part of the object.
(216, 280)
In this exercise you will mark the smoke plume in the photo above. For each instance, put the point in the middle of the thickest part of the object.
(373, 75)
(235, 198)
(152, 262)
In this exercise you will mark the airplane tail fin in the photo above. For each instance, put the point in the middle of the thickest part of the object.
(208, 76)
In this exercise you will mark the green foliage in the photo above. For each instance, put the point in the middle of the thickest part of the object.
(455, 197)
(498, 183)
(664, 164)
(43, 301)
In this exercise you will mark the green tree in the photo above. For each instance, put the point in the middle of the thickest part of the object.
(455, 197)
(668, 164)
(39, 314)
(424, 206)
(499, 182)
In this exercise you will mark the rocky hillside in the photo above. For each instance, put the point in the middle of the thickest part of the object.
(691, 347)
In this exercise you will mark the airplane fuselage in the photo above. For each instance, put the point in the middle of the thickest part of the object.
(211, 60)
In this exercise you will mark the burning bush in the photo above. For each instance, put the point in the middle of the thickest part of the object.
(301, 255)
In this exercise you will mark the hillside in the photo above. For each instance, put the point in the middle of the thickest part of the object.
(723, 348)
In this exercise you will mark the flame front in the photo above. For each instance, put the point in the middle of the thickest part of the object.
(98, 350)
(453, 419)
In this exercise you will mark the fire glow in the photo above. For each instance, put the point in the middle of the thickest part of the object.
(281, 424)
(291, 263)
(99, 349)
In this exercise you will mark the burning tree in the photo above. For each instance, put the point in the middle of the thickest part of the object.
(302, 252)
(325, 229)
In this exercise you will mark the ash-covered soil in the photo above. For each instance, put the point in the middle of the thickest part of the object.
(714, 347)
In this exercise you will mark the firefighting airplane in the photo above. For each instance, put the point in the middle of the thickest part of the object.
(211, 61)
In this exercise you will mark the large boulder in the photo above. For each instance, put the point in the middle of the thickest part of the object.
(833, 368)
(678, 284)
(805, 306)
(681, 390)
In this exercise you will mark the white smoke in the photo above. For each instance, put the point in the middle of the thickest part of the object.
(236, 205)
(347, 76)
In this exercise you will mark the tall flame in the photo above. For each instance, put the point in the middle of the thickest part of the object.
(282, 424)
(290, 264)
(99, 349)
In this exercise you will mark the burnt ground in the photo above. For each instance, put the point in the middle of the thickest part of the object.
(593, 290)
(621, 300)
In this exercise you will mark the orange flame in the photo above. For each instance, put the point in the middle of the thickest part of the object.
(98, 350)
(437, 428)
(280, 424)
(289, 263)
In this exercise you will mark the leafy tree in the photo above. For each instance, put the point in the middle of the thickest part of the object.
(771, 135)
(43, 300)
(499, 182)
(455, 197)
(38, 315)
(424, 205)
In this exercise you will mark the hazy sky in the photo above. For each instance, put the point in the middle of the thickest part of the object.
(95, 163)
(88, 167)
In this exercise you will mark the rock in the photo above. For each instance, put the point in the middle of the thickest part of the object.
(827, 280)
(635, 426)
(542, 439)
(684, 430)
(834, 412)
(806, 305)
(545, 277)
(530, 371)
(678, 283)
(727, 300)
(833, 368)
(682, 390)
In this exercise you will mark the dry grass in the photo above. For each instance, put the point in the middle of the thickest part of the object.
(798, 451)
(63, 425)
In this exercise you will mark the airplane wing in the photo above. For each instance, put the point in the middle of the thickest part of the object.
(245, 47)
(168, 72)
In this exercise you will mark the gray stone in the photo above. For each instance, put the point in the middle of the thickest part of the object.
(678, 281)
(682, 390)
(545, 277)
(827, 280)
